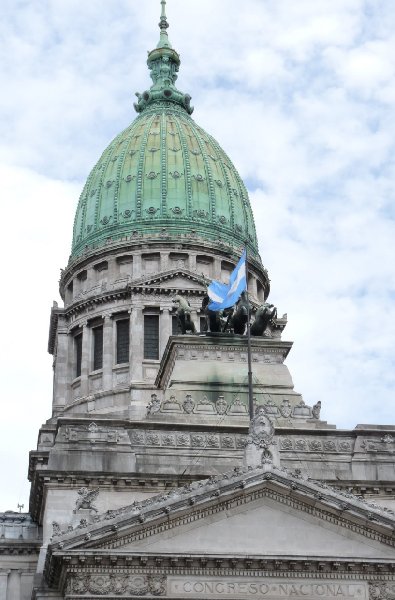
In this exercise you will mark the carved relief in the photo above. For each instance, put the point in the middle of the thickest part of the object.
(261, 429)
(118, 584)
(221, 405)
(285, 409)
(153, 438)
(188, 404)
(92, 434)
(381, 590)
(86, 499)
(314, 445)
(153, 405)
(168, 439)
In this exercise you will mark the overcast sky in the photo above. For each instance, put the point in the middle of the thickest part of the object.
(300, 94)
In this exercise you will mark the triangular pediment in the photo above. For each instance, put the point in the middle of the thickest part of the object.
(254, 513)
(177, 279)
(260, 527)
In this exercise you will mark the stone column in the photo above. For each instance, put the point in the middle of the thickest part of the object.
(14, 585)
(61, 367)
(26, 585)
(137, 268)
(164, 330)
(108, 351)
(85, 359)
(4, 582)
(137, 343)
(112, 271)
(217, 269)
(195, 319)
(164, 261)
(192, 262)
(70, 366)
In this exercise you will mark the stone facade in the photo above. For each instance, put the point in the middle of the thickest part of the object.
(149, 478)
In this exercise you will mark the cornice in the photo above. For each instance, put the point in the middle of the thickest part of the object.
(117, 565)
(203, 498)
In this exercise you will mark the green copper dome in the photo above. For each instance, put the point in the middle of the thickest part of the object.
(164, 175)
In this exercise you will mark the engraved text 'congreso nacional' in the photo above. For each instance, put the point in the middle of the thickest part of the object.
(196, 587)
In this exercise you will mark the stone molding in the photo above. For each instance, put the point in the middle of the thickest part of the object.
(134, 575)
(195, 501)
(184, 346)
(124, 583)
(316, 444)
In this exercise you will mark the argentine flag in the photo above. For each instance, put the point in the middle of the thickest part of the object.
(222, 295)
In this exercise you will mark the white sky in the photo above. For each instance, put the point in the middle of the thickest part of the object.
(299, 94)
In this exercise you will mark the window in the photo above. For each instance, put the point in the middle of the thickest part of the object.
(97, 348)
(122, 341)
(151, 336)
(82, 275)
(78, 354)
(175, 326)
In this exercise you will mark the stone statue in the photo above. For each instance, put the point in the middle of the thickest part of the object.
(316, 410)
(86, 498)
(183, 313)
(240, 316)
(153, 405)
(264, 315)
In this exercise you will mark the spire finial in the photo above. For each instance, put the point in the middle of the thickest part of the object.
(163, 25)
(163, 63)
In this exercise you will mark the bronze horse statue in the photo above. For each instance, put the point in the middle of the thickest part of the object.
(183, 314)
(212, 317)
(239, 318)
(264, 315)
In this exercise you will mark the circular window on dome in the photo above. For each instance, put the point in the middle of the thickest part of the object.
(199, 177)
(167, 93)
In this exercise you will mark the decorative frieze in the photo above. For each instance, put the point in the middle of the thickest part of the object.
(181, 439)
(233, 406)
(116, 584)
(385, 444)
(230, 354)
(382, 590)
(315, 444)
(92, 434)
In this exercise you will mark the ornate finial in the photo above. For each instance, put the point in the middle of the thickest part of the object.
(163, 19)
(163, 63)
(163, 25)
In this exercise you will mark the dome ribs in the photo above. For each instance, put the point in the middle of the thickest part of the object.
(118, 180)
(139, 185)
(210, 186)
(163, 132)
(187, 167)
(227, 179)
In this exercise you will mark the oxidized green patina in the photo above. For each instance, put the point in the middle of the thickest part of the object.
(164, 175)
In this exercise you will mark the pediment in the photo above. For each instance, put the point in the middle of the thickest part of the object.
(263, 526)
(178, 279)
(254, 513)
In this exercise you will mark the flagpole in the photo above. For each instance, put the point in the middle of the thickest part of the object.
(250, 391)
